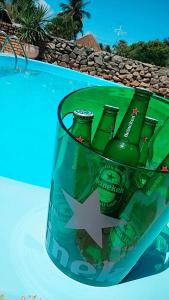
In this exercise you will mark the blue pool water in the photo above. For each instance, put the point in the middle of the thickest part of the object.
(29, 100)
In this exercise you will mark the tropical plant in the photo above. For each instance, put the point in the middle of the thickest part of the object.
(17, 8)
(166, 40)
(62, 26)
(75, 9)
(106, 48)
(153, 52)
(33, 20)
(101, 46)
(121, 48)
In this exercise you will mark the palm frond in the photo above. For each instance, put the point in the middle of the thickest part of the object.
(86, 14)
(65, 6)
(86, 3)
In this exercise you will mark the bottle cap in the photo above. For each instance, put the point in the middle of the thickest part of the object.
(110, 108)
(150, 120)
(143, 91)
(82, 113)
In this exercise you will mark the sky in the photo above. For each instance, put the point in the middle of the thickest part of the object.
(138, 20)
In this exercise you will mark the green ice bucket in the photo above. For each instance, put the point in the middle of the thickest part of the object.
(82, 241)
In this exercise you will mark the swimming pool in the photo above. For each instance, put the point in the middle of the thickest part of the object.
(29, 100)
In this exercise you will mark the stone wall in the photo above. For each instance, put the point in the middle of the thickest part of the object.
(100, 63)
(108, 66)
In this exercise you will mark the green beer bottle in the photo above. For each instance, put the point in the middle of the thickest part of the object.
(144, 207)
(105, 128)
(81, 167)
(156, 179)
(82, 126)
(75, 174)
(140, 177)
(146, 135)
(70, 157)
(124, 148)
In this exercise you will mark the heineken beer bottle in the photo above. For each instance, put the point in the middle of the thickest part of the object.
(105, 128)
(82, 167)
(144, 207)
(146, 135)
(75, 173)
(140, 176)
(123, 148)
(156, 179)
(75, 161)
(71, 158)
(82, 126)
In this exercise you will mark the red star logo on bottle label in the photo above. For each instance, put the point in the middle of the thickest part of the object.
(164, 169)
(145, 138)
(112, 128)
(80, 139)
(135, 111)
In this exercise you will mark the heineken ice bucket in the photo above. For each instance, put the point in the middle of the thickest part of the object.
(104, 213)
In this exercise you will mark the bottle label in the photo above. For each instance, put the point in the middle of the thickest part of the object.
(141, 177)
(110, 178)
(128, 234)
(130, 124)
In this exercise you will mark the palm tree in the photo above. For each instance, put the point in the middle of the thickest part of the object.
(33, 20)
(75, 8)
(32, 17)
(16, 8)
(62, 26)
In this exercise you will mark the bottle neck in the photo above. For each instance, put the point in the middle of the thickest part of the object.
(132, 123)
(81, 130)
(156, 179)
(107, 122)
(146, 135)
(104, 131)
